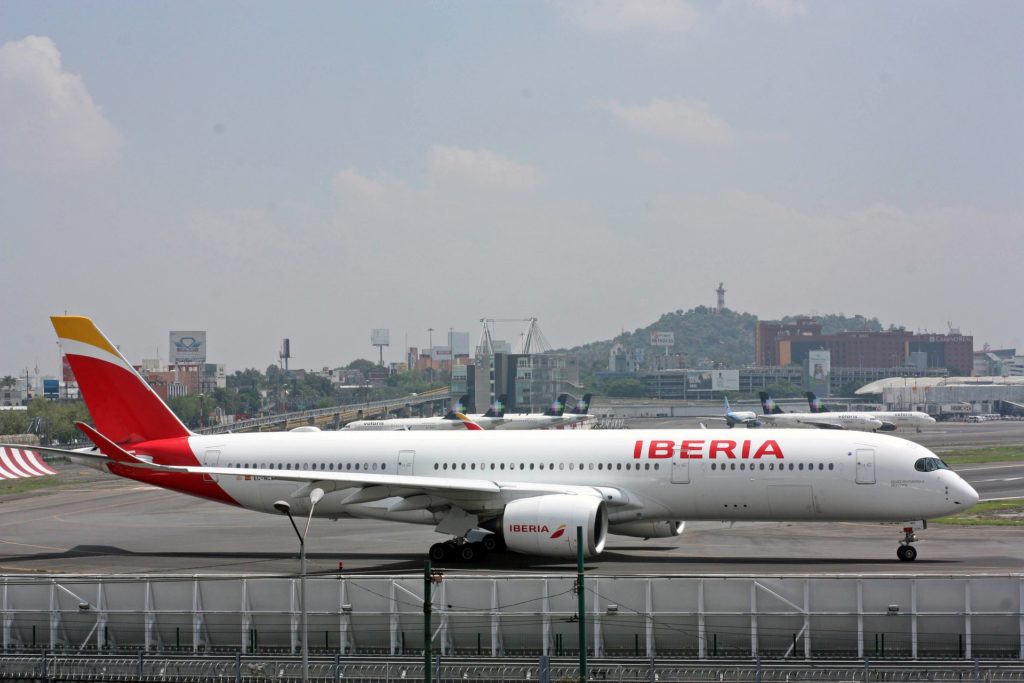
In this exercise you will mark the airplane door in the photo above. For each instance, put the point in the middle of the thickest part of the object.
(865, 466)
(680, 471)
(405, 462)
(211, 460)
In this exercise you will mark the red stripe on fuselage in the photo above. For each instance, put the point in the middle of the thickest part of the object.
(173, 452)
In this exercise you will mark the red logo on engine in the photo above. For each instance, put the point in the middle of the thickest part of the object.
(558, 532)
(529, 528)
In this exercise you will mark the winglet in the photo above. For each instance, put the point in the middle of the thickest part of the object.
(469, 424)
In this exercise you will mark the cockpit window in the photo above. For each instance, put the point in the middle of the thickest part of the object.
(930, 465)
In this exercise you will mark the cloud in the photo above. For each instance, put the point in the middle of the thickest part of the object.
(685, 120)
(479, 167)
(50, 122)
(784, 9)
(607, 16)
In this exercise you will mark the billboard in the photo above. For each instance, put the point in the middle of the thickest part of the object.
(188, 347)
(441, 353)
(380, 336)
(818, 371)
(725, 380)
(663, 338)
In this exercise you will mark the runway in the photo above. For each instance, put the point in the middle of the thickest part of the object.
(113, 526)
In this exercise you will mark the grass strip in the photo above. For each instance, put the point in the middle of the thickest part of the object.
(980, 455)
(989, 513)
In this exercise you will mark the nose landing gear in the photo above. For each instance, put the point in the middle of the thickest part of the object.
(907, 552)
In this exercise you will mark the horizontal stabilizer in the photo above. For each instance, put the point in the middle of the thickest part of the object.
(111, 449)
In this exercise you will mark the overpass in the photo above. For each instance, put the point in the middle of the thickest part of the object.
(334, 417)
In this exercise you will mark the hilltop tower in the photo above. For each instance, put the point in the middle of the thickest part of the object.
(721, 297)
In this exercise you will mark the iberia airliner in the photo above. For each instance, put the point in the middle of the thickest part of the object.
(526, 491)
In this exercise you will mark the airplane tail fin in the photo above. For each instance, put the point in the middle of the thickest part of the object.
(558, 407)
(468, 423)
(460, 406)
(815, 403)
(583, 407)
(122, 405)
(768, 406)
(497, 409)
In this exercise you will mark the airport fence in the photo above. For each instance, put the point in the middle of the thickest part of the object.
(782, 618)
(249, 669)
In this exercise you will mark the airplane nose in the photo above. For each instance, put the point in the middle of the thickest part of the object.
(967, 495)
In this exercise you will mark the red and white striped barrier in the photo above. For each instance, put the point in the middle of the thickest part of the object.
(21, 463)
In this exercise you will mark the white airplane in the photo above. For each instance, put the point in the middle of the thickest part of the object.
(891, 419)
(736, 417)
(525, 491)
(453, 419)
(774, 417)
(580, 413)
(550, 418)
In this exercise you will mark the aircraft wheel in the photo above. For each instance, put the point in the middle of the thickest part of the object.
(438, 552)
(491, 543)
(906, 553)
(469, 552)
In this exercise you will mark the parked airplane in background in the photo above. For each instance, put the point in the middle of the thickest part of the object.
(775, 417)
(579, 414)
(736, 417)
(526, 491)
(890, 419)
(552, 417)
(453, 419)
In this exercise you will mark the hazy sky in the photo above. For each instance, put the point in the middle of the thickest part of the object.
(314, 170)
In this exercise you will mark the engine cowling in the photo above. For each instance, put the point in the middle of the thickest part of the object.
(648, 529)
(546, 525)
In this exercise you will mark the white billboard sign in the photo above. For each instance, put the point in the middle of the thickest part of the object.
(663, 338)
(725, 380)
(380, 336)
(188, 347)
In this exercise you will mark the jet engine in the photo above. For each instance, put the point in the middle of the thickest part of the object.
(648, 529)
(546, 525)
(887, 427)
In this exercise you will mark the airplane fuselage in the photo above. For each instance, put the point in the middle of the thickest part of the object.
(652, 474)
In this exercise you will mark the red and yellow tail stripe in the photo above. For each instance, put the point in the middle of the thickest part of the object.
(123, 406)
(21, 463)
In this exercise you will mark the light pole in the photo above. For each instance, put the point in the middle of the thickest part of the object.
(430, 344)
(285, 508)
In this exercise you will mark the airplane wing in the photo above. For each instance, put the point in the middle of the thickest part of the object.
(821, 425)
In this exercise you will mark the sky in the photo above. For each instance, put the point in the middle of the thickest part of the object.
(262, 170)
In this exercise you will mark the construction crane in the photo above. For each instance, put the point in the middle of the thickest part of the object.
(534, 340)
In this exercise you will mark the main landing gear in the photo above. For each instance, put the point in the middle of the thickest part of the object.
(907, 552)
(461, 550)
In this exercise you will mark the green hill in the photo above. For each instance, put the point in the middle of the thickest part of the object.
(705, 337)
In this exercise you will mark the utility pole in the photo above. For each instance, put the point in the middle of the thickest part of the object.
(581, 602)
(429, 578)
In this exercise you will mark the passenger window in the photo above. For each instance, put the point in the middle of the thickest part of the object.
(800, 467)
(374, 467)
(831, 465)
(522, 466)
(531, 467)
(761, 467)
(732, 466)
(561, 465)
(446, 467)
(712, 467)
(647, 465)
(436, 465)
(463, 466)
(655, 465)
(600, 466)
(771, 466)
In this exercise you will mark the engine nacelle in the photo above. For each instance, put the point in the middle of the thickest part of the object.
(648, 529)
(546, 525)
(887, 427)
